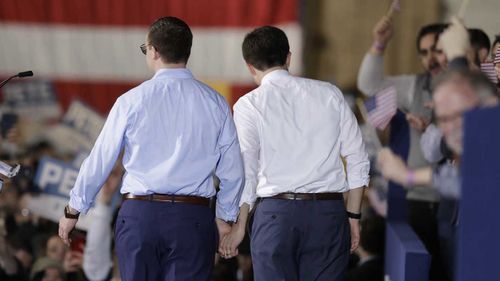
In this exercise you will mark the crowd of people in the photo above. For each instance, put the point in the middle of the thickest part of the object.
(292, 190)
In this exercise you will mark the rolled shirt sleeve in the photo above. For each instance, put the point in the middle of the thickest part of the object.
(101, 160)
(249, 142)
(229, 171)
(352, 149)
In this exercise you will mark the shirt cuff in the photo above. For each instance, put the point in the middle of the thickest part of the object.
(226, 215)
(353, 184)
(77, 203)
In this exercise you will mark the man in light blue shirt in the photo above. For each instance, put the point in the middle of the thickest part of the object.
(176, 133)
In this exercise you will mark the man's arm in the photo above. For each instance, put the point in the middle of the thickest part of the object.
(394, 169)
(96, 168)
(371, 76)
(250, 147)
(229, 171)
(353, 150)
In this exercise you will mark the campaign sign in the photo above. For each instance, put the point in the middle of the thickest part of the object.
(35, 99)
(83, 120)
(55, 177)
(78, 130)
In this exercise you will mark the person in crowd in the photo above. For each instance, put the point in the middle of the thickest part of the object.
(413, 99)
(292, 133)
(98, 253)
(494, 47)
(47, 269)
(176, 133)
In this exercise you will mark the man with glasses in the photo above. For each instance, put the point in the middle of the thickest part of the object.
(455, 93)
(177, 133)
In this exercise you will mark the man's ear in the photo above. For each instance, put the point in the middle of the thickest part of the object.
(251, 68)
(156, 54)
(288, 60)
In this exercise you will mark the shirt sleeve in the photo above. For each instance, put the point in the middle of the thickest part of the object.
(250, 149)
(430, 143)
(371, 79)
(352, 147)
(229, 171)
(101, 160)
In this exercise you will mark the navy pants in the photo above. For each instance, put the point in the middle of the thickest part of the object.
(165, 241)
(300, 240)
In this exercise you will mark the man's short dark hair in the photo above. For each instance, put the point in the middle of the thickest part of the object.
(172, 38)
(497, 40)
(266, 47)
(435, 28)
(479, 39)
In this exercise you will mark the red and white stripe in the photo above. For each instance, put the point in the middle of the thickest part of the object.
(488, 69)
(90, 48)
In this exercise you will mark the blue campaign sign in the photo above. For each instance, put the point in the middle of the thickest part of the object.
(83, 120)
(29, 93)
(55, 177)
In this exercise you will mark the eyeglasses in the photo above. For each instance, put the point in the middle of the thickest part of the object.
(143, 48)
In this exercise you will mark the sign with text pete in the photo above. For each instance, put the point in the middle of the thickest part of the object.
(55, 177)
(35, 99)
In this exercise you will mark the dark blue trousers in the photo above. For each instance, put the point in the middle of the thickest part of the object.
(300, 240)
(165, 241)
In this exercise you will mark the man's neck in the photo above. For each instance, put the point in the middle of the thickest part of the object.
(261, 74)
(169, 66)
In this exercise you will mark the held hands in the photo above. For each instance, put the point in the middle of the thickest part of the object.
(230, 238)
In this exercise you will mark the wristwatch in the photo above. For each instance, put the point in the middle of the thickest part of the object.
(353, 215)
(69, 215)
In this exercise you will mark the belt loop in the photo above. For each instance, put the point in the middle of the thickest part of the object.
(151, 197)
(314, 196)
(172, 198)
(295, 196)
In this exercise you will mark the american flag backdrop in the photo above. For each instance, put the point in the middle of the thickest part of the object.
(89, 49)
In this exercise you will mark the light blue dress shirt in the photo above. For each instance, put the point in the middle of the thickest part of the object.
(176, 133)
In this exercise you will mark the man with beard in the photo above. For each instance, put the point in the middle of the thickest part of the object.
(413, 96)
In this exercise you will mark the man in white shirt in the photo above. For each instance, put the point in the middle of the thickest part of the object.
(293, 132)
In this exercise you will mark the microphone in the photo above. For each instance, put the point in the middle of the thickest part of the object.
(20, 75)
(25, 74)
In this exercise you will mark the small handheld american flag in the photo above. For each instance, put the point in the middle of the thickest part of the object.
(381, 107)
(488, 69)
(497, 56)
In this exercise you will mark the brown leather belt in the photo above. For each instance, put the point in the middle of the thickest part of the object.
(308, 196)
(168, 198)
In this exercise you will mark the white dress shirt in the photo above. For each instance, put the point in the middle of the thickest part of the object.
(292, 132)
(176, 132)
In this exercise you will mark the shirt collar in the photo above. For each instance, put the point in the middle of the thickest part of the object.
(273, 75)
(173, 73)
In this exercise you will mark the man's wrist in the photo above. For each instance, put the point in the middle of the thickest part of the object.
(378, 47)
(71, 213)
(356, 216)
